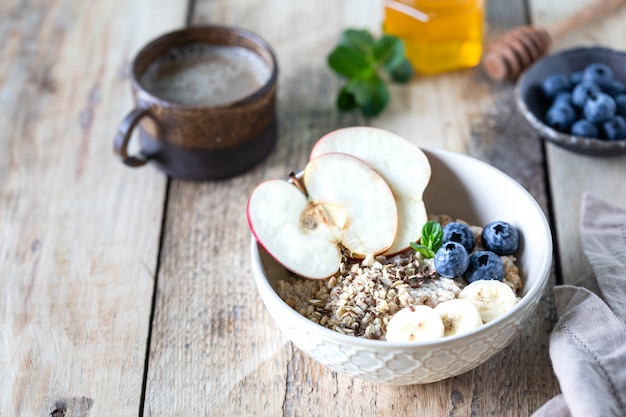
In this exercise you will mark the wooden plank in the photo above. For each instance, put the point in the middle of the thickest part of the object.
(79, 231)
(227, 358)
(571, 174)
(215, 349)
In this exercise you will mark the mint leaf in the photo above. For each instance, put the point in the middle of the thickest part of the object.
(389, 52)
(432, 238)
(432, 235)
(349, 62)
(361, 59)
(371, 95)
(346, 100)
(425, 251)
(402, 73)
(361, 40)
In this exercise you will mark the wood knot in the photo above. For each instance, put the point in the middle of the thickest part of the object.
(57, 412)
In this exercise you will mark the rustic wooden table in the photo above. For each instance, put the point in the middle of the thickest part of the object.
(125, 293)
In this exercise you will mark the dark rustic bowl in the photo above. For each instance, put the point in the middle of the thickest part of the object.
(533, 105)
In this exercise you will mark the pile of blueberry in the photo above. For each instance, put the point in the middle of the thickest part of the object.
(455, 257)
(590, 103)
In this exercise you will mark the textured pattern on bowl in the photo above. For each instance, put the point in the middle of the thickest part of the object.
(462, 187)
(533, 105)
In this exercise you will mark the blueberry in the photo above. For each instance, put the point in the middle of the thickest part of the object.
(554, 84)
(584, 127)
(614, 128)
(500, 237)
(564, 97)
(460, 233)
(576, 77)
(582, 91)
(615, 88)
(451, 260)
(599, 107)
(484, 265)
(620, 104)
(561, 117)
(598, 73)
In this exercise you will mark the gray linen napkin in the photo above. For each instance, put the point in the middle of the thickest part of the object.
(588, 343)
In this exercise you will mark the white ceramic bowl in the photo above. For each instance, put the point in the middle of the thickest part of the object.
(462, 187)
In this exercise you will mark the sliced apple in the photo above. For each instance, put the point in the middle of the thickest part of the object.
(276, 216)
(401, 163)
(340, 202)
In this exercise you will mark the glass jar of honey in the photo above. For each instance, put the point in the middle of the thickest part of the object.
(439, 35)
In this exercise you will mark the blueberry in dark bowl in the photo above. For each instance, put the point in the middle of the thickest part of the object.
(616, 88)
(555, 84)
(599, 108)
(584, 127)
(614, 128)
(620, 104)
(576, 77)
(582, 92)
(561, 116)
(598, 73)
(564, 97)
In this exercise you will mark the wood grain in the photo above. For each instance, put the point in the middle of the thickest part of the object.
(215, 350)
(79, 231)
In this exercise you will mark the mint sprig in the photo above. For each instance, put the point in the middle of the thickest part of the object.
(364, 61)
(432, 238)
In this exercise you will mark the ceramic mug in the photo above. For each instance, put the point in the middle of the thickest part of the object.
(205, 103)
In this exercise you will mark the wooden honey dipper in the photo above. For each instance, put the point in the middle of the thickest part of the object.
(522, 46)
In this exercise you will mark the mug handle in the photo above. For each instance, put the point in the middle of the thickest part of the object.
(123, 135)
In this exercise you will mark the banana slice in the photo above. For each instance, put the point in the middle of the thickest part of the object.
(458, 316)
(492, 298)
(415, 324)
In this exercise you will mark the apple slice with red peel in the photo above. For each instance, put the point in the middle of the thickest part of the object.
(340, 202)
(276, 211)
(402, 165)
(358, 202)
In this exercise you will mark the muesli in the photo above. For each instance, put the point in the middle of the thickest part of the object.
(363, 296)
